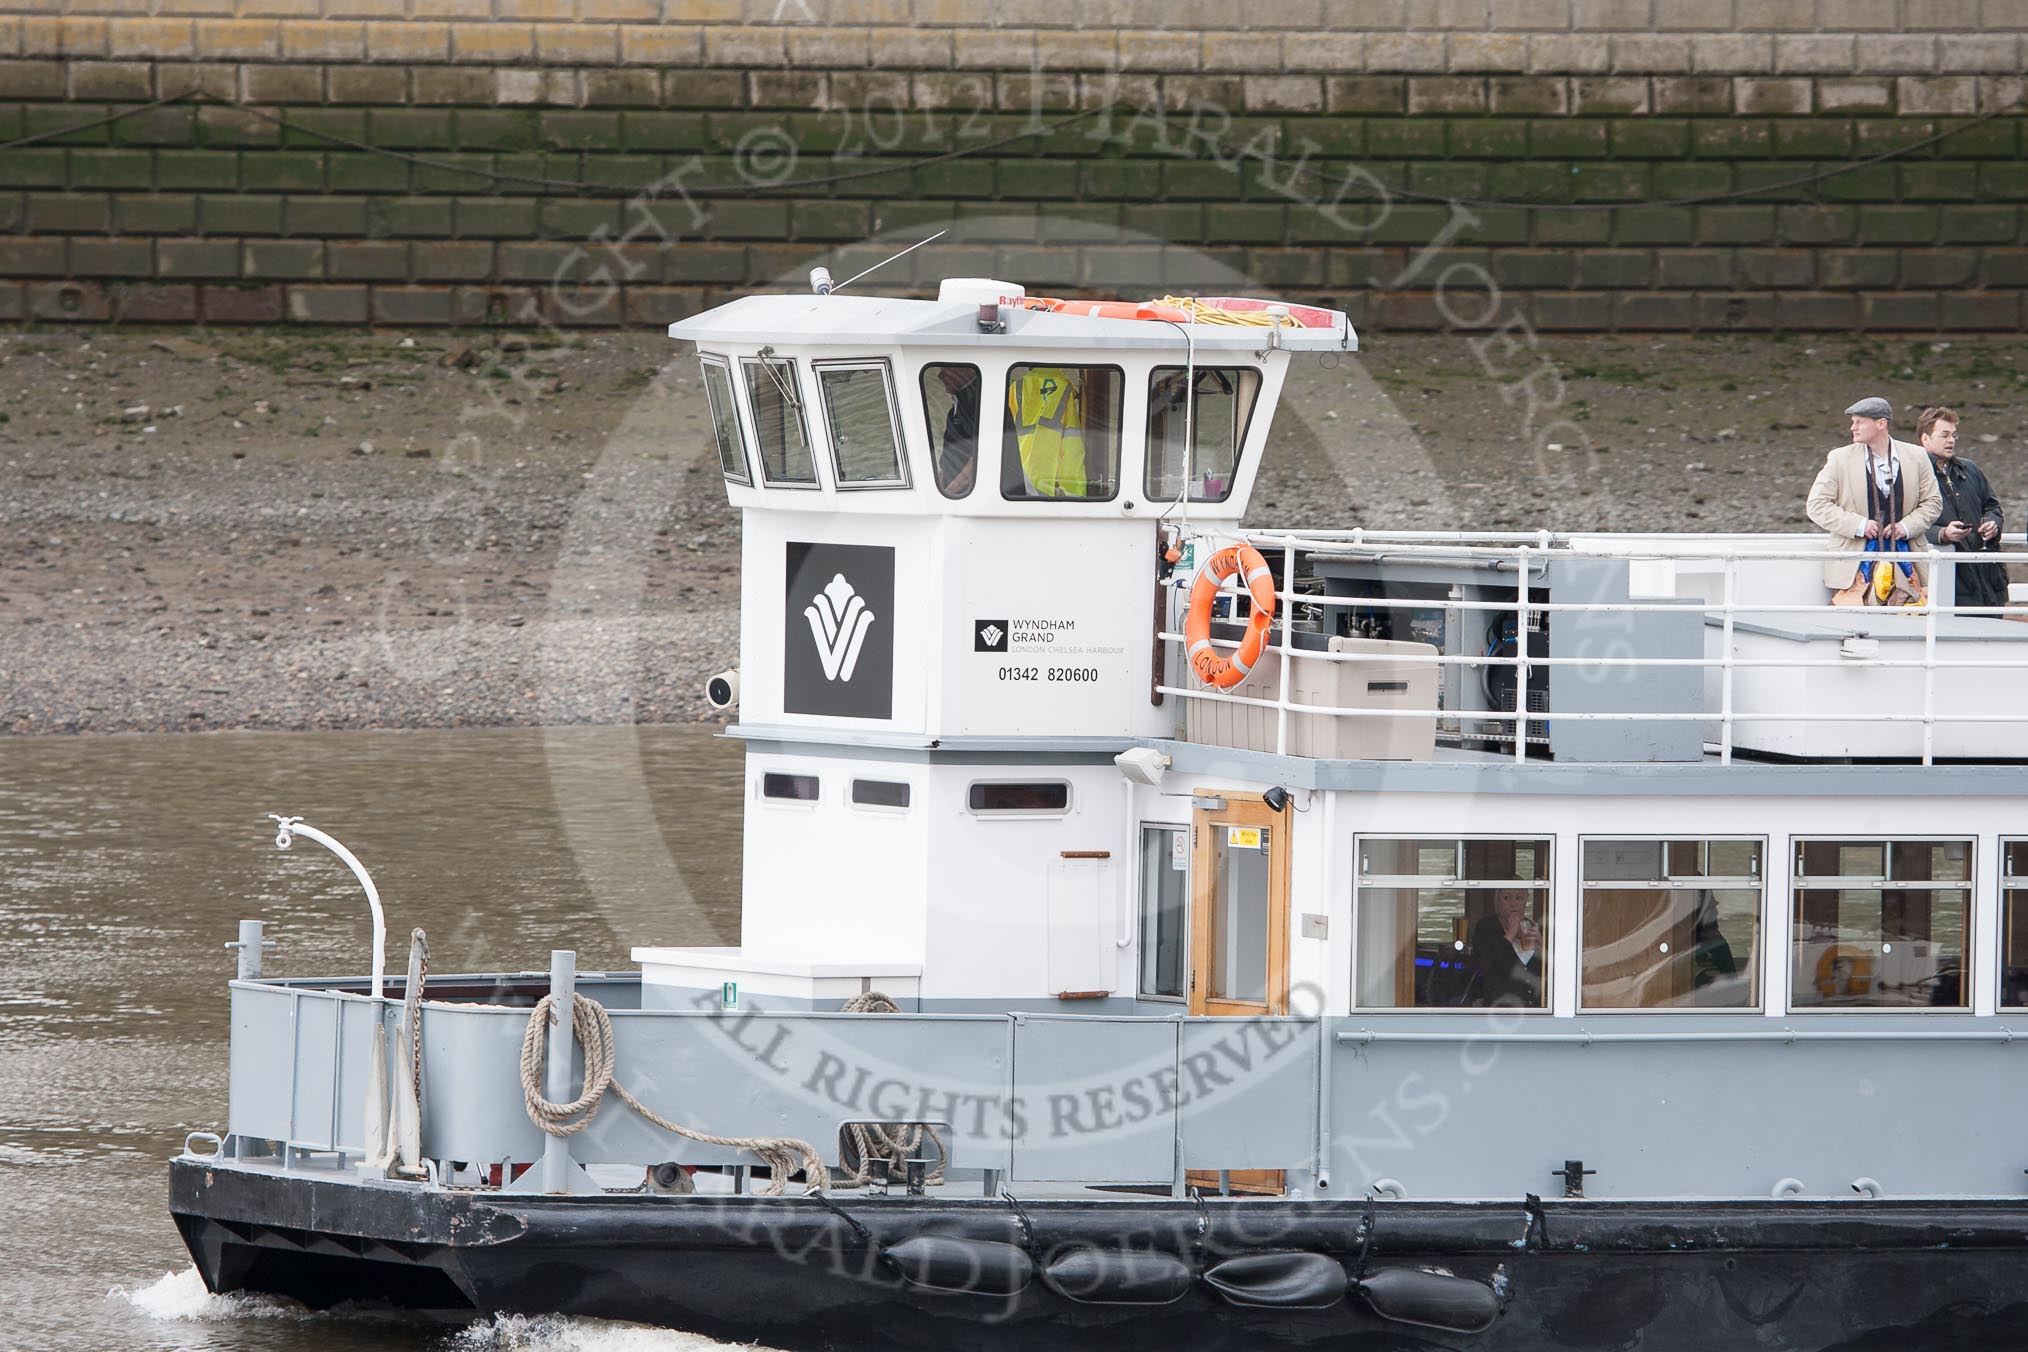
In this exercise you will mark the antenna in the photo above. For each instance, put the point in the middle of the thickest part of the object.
(885, 261)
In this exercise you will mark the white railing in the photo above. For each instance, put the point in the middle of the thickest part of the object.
(1524, 557)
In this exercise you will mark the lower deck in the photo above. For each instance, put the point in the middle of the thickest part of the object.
(1478, 1105)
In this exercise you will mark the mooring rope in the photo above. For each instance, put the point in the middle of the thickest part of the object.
(1200, 313)
(593, 1028)
(871, 1140)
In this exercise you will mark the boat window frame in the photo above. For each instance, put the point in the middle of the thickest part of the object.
(1141, 830)
(764, 358)
(782, 800)
(707, 362)
(2000, 921)
(900, 441)
(1239, 441)
(1548, 886)
(1120, 449)
(1020, 813)
(901, 809)
(1967, 1006)
(1761, 919)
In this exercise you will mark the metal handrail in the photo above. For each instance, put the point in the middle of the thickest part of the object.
(1525, 554)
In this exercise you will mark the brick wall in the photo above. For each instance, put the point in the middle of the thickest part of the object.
(628, 161)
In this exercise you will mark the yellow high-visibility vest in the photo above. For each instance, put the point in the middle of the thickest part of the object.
(1049, 424)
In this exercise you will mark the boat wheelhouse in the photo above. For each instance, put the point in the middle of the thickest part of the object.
(1547, 940)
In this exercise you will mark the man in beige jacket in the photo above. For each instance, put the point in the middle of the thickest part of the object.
(1875, 488)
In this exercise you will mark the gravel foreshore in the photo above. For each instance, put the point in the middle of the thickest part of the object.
(254, 529)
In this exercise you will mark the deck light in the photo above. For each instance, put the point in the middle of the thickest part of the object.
(1142, 765)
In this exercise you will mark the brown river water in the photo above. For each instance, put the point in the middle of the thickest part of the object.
(125, 866)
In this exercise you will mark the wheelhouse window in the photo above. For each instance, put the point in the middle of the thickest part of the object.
(879, 793)
(1198, 441)
(790, 788)
(859, 414)
(1061, 438)
(2014, 923)
(1671, 924)
(1449, 923)
(732, 457)
(777, 403)
(950, 408)
(1880, 924)
(1049, 797)
(1165, 916)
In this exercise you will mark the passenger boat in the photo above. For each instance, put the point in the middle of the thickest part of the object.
(1163, 933)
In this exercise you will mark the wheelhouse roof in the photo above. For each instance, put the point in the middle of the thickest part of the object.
(859, 322)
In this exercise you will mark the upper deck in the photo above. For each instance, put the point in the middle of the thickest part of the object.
(1661, 650)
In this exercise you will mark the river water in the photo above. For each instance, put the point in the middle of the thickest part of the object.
(125, 866)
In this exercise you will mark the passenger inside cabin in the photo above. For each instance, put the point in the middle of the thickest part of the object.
(1505, 953)
(957, 450)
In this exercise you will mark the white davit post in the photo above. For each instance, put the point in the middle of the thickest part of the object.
(980, 291)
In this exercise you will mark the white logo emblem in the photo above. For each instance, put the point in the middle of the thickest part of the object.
(838, 620)
(992, 634)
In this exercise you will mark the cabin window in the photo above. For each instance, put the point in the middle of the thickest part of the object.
(1200, 442)
(1450, 923)
(2014, 923)
(950, 407)
(1061, 437)
(777, 403)
(792, 788)
(1671, 924)
(1880, 924)
(1049, 797)
(859, 413)
(1165, 915)
(725, 427)
(879, 793)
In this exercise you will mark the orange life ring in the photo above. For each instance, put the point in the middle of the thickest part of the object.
(1106, 309)
(1212, 669)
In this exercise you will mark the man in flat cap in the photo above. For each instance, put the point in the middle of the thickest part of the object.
(1876, 488)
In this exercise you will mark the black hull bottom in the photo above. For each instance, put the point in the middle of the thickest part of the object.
(1860, 1276)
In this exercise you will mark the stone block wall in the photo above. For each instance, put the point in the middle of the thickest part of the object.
(1587, 164)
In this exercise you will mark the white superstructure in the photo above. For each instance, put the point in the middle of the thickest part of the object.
(939, 667)
(959, 749)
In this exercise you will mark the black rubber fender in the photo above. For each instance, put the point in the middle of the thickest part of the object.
(1281, 1281)
(1094, 1276)
(973, 1267)
(1435, 1300)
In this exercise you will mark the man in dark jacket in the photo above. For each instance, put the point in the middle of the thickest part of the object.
(1971, 520)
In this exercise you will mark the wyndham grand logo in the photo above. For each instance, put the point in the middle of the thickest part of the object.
(989, 636)
(838, 620)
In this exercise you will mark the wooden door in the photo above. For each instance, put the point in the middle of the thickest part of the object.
(1239, 927)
